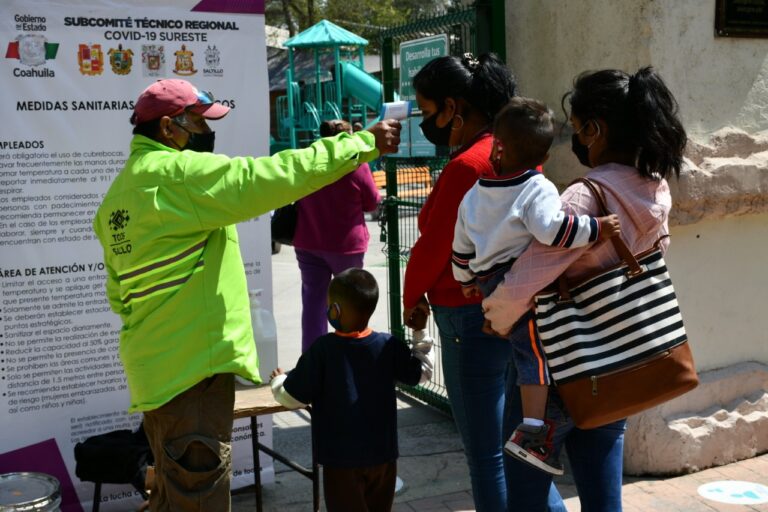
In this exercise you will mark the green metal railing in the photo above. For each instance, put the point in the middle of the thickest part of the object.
(399, 229)
(476, 29)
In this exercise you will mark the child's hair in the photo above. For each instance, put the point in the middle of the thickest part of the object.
(355, 288)
(527, 125)
(641, 114)
(334, 127)
(484, 82)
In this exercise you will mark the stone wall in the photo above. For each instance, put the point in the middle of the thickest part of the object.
(726, 176)
(723, 420)
(721, 85)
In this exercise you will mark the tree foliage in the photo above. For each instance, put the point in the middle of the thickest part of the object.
(363, 17)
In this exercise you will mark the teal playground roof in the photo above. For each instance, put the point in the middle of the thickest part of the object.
(325, 34)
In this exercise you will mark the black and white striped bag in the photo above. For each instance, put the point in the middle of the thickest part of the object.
(615, 342)
(612, 320)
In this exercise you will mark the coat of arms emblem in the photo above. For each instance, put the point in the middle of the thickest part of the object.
(212, 58)
(153, 59)
(32, 49)
(91, 59)
(184, 64)
(120, 60)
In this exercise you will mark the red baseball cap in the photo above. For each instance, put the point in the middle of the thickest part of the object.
(172, 97)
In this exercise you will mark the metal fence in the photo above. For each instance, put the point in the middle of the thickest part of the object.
(409, 181)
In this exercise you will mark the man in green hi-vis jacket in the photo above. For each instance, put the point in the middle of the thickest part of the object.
(176, 277)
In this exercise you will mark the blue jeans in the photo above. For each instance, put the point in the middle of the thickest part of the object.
(596, 458)
(475, 369)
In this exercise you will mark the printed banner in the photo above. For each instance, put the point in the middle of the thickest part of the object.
(71, 74)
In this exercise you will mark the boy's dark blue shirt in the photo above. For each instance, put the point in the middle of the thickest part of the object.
(350, 382)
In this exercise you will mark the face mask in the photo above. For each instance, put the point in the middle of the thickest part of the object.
(334, 316)
(200, 142)
(580, 150)
(435, 135)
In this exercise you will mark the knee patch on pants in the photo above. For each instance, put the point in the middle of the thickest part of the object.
(196, 463)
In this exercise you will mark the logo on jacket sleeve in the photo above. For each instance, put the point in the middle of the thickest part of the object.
(118, 221)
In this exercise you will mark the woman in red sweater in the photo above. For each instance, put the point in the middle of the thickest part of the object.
(459, 99)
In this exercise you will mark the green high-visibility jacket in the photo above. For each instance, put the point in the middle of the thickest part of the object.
(174, 270)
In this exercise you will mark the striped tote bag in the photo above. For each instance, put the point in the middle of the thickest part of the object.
(615, 342)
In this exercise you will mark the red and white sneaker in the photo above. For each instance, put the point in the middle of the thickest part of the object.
(534, 446)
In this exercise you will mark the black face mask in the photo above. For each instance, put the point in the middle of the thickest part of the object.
(200, 142)
(435, 135)
(580, 150)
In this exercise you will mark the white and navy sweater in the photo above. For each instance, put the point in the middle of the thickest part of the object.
(499, 217)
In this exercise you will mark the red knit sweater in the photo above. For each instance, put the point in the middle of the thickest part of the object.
(429, 267)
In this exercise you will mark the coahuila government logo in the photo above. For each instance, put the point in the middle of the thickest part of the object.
(32, 50)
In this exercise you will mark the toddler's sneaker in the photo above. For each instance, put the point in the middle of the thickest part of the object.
(534, 446)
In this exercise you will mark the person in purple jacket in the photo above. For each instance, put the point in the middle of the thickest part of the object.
(331, 236)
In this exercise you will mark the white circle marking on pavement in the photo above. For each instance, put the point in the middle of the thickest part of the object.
(399, 484)
(735, 492)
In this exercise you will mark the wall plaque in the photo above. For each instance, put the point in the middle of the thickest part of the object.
(741, 18)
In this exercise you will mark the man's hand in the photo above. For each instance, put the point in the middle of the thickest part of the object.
(387, 133)
(471, 291)
(275, 373)
(416, 317)
(609, 226)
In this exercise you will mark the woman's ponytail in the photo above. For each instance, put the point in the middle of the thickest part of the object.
(656, 128)
(641, 115)
(492, 86)
(484, 82)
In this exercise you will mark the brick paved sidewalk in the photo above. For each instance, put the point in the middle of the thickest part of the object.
(677, 494)
(432, 462)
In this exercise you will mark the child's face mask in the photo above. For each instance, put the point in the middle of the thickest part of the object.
(334, 316)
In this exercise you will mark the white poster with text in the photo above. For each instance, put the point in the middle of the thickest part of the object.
(71, 74)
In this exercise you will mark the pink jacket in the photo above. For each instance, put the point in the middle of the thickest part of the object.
(332, 219)
(643, 208)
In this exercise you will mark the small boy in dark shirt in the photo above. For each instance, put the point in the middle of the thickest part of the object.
(349, 378)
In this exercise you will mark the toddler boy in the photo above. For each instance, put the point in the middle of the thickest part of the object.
(349, 378)
(498, 218)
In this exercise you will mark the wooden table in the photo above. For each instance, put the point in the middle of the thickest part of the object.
(252, 402)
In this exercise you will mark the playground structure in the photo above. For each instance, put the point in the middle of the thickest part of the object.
(349, 94)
